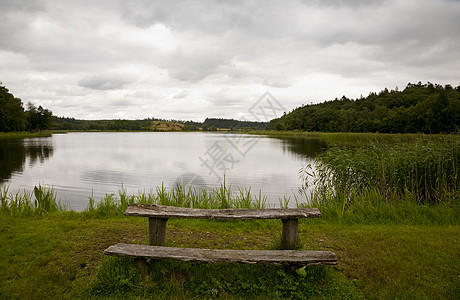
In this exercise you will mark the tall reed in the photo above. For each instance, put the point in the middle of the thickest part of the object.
(41, 201)
(427, 169)
(179, 195)
(45, 200)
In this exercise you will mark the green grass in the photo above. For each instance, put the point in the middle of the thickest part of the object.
(191, 280)
(24, 134)
(405, 250)
(59, 255)
(400, 250)
(406, 262)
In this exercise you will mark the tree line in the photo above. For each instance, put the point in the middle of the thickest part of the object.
(147, 124)
(212, 124)
(427, 108)
(13, 116)
(64, 123)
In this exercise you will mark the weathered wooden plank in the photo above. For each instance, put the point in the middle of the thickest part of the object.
(162, 211)
(276, 257)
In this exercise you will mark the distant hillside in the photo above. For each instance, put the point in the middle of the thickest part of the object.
(230, 124)
(428, 108)
(166, 126)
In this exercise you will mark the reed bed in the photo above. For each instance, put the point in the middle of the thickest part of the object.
(43, 200)
(180, 195)
(353, 139)
(394, 179)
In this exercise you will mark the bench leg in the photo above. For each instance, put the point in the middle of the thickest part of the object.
(290, 234)
(157, 231)
(142, 266)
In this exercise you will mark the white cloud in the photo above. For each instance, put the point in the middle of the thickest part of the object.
(197, 59)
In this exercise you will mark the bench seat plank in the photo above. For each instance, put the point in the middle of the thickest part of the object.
(162, 211)
(276, 257)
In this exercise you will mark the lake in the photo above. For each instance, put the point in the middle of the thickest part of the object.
(80, 165)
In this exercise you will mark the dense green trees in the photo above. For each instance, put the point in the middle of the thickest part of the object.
(63, 123)
(38, 118)
(13, 117)
(428, 108)
(212, 124)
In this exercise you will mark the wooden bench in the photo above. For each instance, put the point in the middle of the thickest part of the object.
(158, 216)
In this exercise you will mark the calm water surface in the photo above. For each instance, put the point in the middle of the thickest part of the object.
(78, 165)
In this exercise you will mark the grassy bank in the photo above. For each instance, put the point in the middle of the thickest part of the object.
(47, 252)
(24, 134)
(354, 139)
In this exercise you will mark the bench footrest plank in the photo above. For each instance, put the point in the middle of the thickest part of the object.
(276, 257)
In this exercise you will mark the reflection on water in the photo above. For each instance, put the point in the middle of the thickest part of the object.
(14, 154)
(80, 165)
(304, 147)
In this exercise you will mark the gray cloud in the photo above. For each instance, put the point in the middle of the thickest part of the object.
(194, 65)
(180, 95)
(104, 81)
(345, 3)
(211, 16)
(277, 84)
(122, 103)
(16, 6)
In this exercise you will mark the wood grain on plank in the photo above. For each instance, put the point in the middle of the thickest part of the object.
(276, 257)
(162, 211)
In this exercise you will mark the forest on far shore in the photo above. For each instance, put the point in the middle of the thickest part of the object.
(427, 108)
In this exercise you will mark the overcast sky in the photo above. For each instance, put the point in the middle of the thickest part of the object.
(190, 60)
